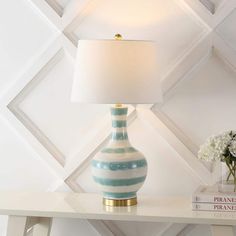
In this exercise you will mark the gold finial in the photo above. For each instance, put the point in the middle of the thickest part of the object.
(118, 37)
(117, 105)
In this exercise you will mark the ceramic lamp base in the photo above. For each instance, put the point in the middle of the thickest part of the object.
(120, 202)
(119, 169)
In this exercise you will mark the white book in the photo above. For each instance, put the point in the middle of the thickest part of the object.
(213, 207)
(210, 194)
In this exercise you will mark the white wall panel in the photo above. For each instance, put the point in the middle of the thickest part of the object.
(227, 30)
(137, 229)
(22, 170)
(23, 33)
(48, 106)
(76, 228)
(204, 103)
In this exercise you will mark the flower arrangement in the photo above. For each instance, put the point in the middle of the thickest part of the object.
(222, 148)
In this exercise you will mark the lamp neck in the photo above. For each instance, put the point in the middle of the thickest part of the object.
(119, 123)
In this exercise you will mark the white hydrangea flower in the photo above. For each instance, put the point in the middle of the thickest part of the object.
(215, 147)
(232, 147)
(222, 141)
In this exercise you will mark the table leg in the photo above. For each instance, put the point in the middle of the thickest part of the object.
(43, 227)
(222, 230)
(17, 225)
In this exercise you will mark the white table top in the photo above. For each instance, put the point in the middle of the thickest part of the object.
(89, 206)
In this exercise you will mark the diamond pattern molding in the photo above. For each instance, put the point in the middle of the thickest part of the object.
(68, 16)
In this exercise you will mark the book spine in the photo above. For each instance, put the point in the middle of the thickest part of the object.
(213, 207)
(214, 199)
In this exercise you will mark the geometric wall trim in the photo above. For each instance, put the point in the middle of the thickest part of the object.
(26, 121)
(212, 12)
(68, 15)
(209, 5)
(58, 8)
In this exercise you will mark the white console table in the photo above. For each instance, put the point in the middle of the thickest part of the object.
(27, 210)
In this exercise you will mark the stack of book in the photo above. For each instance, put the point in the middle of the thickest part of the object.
(207, 198)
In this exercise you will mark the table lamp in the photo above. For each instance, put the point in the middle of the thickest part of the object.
(117, 72)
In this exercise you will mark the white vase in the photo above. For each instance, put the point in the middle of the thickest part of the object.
(227, 183)
(119, 169)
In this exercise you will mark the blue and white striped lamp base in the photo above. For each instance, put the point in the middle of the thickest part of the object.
(119, 169)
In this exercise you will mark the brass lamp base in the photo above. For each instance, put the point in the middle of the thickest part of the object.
(120, 202)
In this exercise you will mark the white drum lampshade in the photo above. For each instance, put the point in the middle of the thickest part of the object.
(116, 72)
